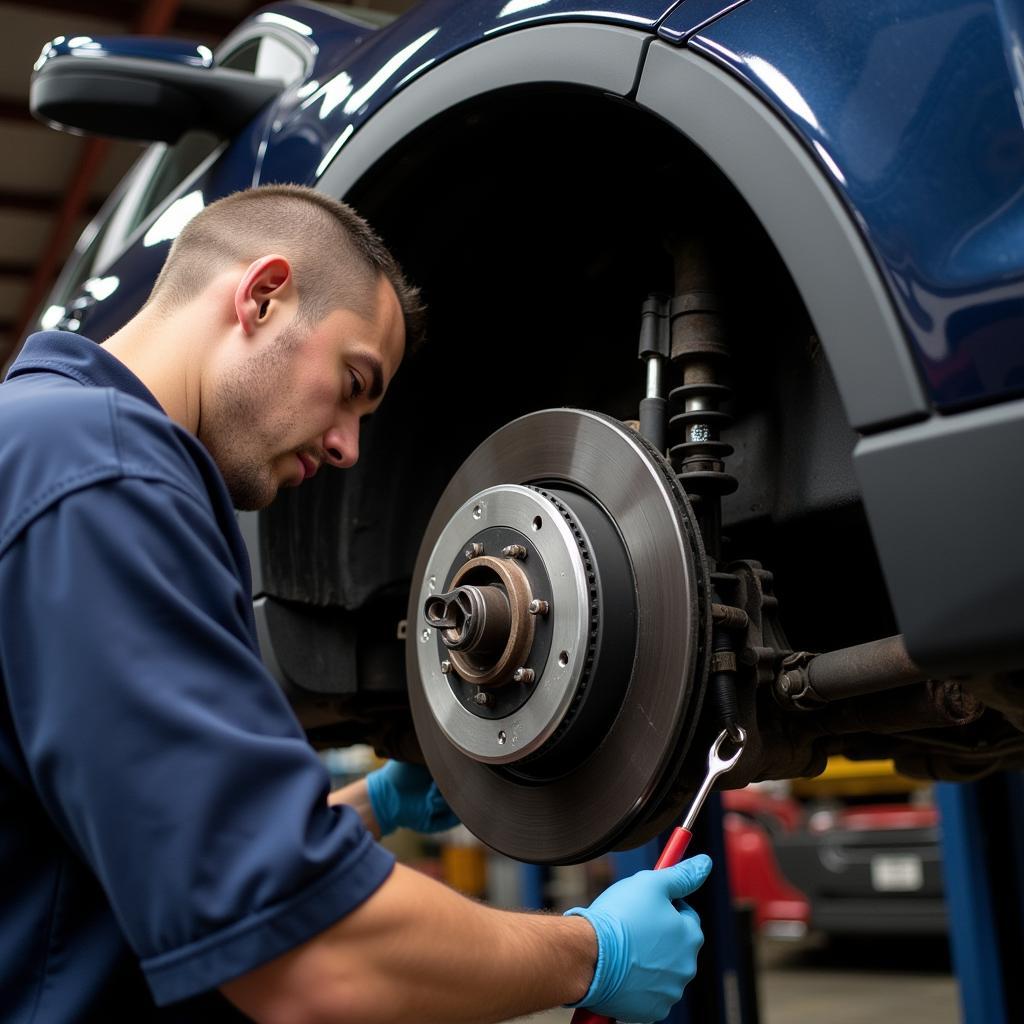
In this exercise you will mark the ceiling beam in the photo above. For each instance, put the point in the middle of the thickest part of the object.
(156, 17)
(128, 13)
(15, 268)
(40, 202)
(15, 109)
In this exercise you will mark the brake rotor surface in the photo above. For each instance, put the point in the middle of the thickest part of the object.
(558, 629)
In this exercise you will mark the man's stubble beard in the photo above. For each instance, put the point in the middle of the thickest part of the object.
(234, 429)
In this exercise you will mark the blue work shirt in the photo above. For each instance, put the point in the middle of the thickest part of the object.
(163, 822)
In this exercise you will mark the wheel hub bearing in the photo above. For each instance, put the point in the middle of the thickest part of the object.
(557, 661)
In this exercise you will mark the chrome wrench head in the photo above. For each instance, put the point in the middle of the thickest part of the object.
(717, 766)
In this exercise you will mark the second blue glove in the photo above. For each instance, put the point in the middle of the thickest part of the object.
(405, 796)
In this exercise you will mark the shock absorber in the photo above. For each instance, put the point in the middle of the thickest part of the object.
(654, 351)
(700, 354)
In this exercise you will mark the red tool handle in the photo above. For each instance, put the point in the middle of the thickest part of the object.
(671, 855)
(586, 1017)
(582, 1016)
(675, 848)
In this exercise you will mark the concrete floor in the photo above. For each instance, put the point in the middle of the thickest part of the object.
(861, 982)
(848, 982)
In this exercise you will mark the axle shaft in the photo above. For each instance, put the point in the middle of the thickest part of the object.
(810, 680)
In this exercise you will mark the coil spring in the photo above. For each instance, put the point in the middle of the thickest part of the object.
(697, 454)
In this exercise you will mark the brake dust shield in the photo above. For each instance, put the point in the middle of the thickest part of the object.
(559, 622)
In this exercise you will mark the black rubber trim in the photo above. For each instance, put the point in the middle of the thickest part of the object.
(945, 500)
(824, 252)
(602, 57)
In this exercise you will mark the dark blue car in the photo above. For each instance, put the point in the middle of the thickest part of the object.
(812, 217)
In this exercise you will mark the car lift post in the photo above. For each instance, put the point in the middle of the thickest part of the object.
(724, 990)
(982, 854)
(532, 879)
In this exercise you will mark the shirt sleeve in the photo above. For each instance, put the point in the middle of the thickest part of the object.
(160, 746)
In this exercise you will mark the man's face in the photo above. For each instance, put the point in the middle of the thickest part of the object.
(273, 419)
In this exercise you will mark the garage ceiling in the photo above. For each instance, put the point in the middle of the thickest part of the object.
(52, 183)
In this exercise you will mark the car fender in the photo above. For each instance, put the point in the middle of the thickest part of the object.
(910, 110)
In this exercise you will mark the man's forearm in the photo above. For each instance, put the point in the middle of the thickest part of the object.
(357, 796)
(418, 950)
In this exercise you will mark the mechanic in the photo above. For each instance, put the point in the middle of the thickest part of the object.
(168, 848)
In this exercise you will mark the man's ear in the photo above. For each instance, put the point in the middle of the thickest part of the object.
(265, 283)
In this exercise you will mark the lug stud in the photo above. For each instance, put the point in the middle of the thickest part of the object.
(482, 697)
(474, 551)
(523, 675)
(514, 551)
(446, 667)
(538, 607)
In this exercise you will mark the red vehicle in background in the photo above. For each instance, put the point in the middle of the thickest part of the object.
(753, 820)
(857, 853)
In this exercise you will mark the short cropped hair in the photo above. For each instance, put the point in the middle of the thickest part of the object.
(337, 258)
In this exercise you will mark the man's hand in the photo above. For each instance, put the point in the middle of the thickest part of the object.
(647, 944)
(405, 796)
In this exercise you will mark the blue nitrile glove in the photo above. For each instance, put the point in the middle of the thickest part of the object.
(646, 945)
(405, 796)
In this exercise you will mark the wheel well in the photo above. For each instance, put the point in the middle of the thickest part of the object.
(536, 220)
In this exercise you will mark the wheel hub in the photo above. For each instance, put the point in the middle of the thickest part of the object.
(484, 621)
(557, 662)
(481, 630)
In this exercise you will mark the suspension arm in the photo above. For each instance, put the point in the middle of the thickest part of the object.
(808, 681)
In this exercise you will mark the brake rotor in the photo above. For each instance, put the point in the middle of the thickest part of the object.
(559, 623)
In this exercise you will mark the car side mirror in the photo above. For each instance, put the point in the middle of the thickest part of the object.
(147, 89)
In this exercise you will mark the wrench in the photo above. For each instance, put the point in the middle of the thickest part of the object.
(676, 846)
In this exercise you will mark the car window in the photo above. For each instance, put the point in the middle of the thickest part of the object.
(267, 57)
(161, 168)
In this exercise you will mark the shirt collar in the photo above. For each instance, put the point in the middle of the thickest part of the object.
(81, 359)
